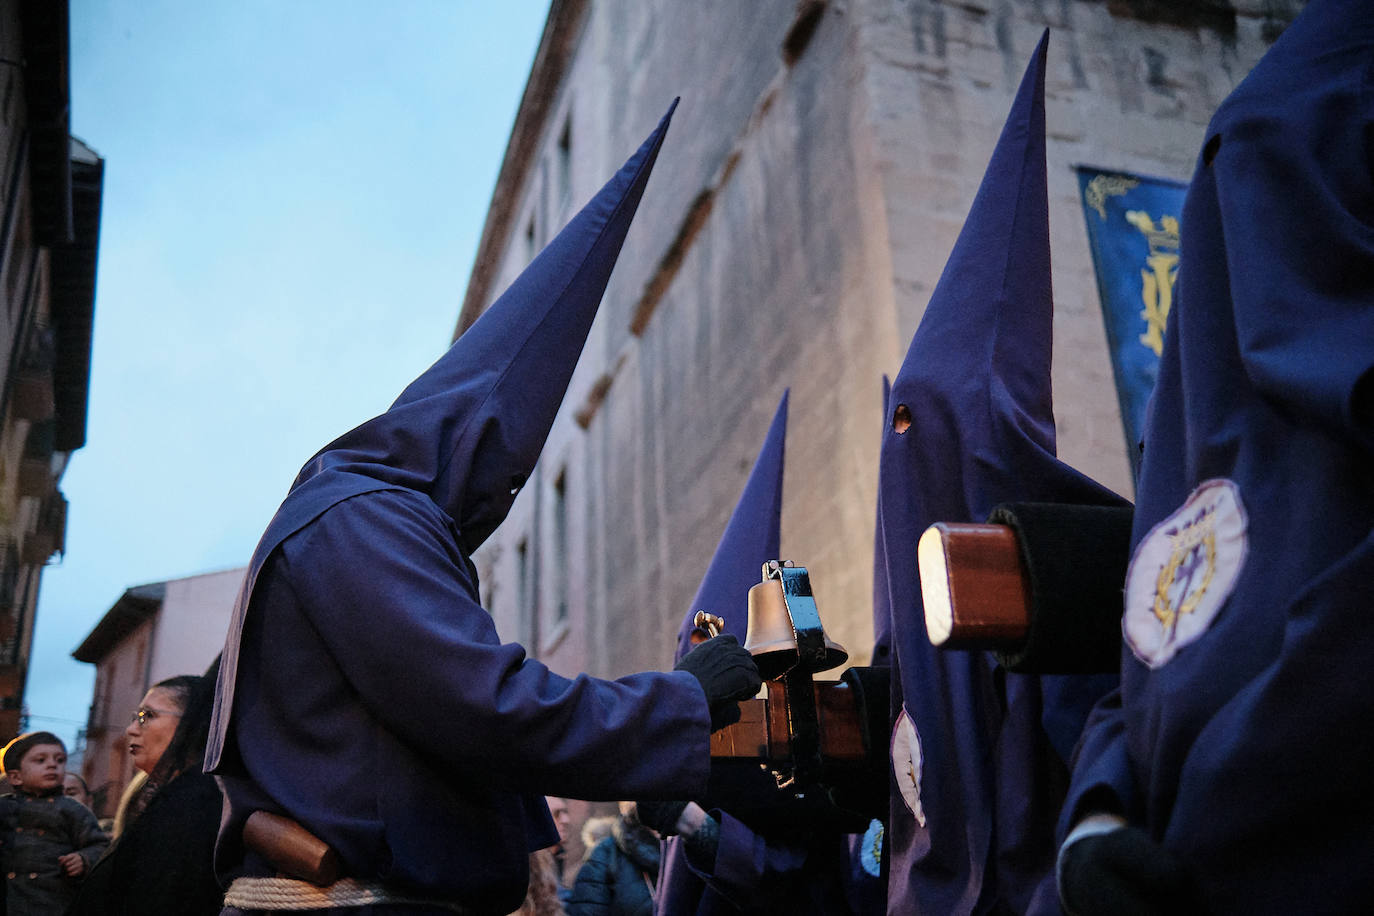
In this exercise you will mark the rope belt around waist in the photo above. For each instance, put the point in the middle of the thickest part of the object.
(290, 894)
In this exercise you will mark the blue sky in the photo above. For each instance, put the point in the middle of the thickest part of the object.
(294, 192)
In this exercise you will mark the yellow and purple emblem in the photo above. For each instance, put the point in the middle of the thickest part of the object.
(1183, 572)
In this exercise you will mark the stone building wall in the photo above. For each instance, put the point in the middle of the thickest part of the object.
(120, 683)
(816, 174)
(50, 187)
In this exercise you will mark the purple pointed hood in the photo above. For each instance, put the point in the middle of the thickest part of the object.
(970, 425)
(975, 384)
(882, 605)
(468, 431)
(751, 539)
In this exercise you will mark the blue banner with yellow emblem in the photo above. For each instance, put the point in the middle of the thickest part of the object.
(1133, 231)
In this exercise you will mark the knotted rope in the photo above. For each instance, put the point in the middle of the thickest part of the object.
(290, 894)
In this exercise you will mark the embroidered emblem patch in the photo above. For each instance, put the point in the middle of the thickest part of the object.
(871, 849)
(906, 764)
(1183, 572)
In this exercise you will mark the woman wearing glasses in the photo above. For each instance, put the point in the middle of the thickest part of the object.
(162, 859)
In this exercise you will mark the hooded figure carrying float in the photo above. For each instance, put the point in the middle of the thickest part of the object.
(364, 692)
(719, 864)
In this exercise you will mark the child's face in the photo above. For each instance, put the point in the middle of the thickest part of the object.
(42, 769)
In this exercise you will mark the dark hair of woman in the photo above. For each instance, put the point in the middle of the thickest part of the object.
(186, 750)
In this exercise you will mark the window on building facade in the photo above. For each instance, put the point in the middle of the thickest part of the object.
(527, 610)
(106, 712)
(16, 600)
(564, 160)
(522, 576)
(560, 545)
(1219, 15)
(19, 255)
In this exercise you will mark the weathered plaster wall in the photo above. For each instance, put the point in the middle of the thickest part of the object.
(797, 220)
(1121, 93)
(192, 623)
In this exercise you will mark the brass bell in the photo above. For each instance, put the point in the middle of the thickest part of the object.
(784, 630)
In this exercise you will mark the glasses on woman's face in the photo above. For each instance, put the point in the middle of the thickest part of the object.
(144, 714)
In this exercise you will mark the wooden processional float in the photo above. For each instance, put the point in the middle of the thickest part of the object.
(811, 754)
(1039, 586)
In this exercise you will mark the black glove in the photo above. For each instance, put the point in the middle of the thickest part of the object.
(702, 844)
(660, 816)
(1125, 873)
(727, 674)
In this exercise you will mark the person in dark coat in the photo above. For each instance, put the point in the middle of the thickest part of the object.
(1230, 774)
(48, 842)
(163, 860)
(562, 822)
(365, 693)
(618, 875)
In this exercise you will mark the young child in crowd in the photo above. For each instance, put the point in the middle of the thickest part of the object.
(48, 841)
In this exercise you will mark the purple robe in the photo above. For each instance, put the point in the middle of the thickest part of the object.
(1241, 739)
(977, 777)
(755, 875)
(364, 691)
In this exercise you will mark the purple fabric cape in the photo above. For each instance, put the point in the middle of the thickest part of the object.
(363, 689)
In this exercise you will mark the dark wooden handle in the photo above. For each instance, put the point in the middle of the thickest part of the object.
(290, 848)
(762, 734)
(989, 594)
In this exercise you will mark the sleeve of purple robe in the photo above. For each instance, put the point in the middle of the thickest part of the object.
(1101, 776)
(1285, 750)
(1298, 212)
(381, 580)
(749, 870)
